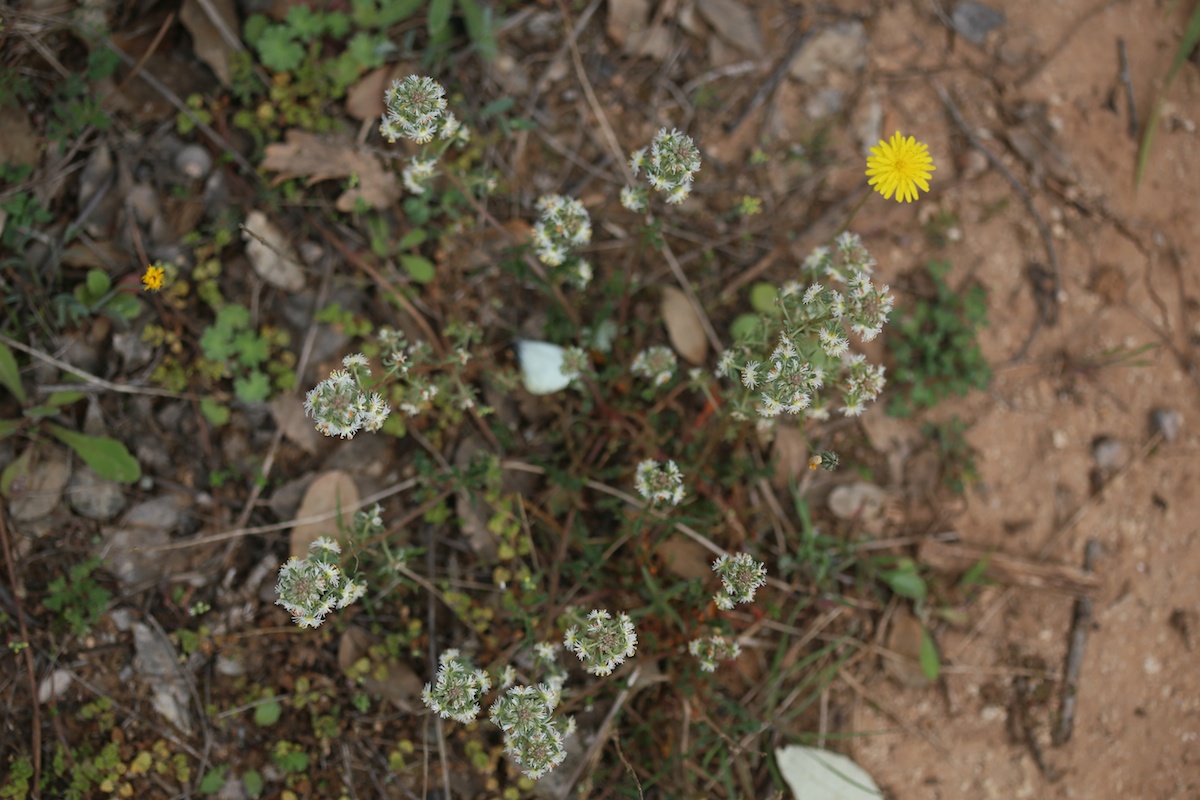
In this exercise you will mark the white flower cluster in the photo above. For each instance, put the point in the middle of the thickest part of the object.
(564, 225)
(669, 163)
(413, 107)
(458, 688)
(741, 576)
(812, 347)
(312, 587)
(603, 643)
(339, 404)
(659, 482)
(656, 364)
(711, 649)
(432, 378)
(531, 736)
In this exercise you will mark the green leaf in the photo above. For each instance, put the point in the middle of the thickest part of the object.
(279, 53)
(106, 456)
(255, 388)
(306, 25)
(10, 374)
(762, 298)
(251, 348)
(18, 469)
(212, 781)
(931, 664)
(439, 15)
(9, 426)
(233, 317)
(216, 344)
(64, 398)
(906, 583)
(123, 307)
(367, 49)
(254, 27)
(252, 782)
(745, 326)
(268, 713)
(479, 28)
(974, 575)
(418, 267)
(397, 11)
(216, 413)
(414, 238)
(97, 282)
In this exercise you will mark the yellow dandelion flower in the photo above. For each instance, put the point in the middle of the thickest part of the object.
(153, 279)
(900, 166)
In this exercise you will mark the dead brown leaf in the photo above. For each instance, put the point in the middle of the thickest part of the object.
(683, 326)
(210, 44)
(323, 158)
(332, 492)
(904, 641)
(364, 101)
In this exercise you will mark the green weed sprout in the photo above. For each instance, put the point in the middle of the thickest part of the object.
(712, 649)
(741, 576)
(458, 688)
(603, 643)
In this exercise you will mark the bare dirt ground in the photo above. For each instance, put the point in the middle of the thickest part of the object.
(1125, 259)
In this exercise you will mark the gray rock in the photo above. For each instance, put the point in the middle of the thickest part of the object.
(734, 22)
(157, 665)
(94, 497)
(842, 46)
(1108, 453)
(974, 21)
(1167, 422)
(857, 500)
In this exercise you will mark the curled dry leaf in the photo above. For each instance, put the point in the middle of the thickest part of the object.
(273, 258)
(683, 326)
(323, 158)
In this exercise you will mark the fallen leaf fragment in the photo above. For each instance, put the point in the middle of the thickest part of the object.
(815, 774)
(323, 158)
(210, 43)
(331, 493)
(273, 258)
(683, 326)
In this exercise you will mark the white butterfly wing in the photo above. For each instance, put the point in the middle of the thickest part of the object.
(541, 366)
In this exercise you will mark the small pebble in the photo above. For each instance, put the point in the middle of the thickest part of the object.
(1166, 422)
(1108, 452)
(193, 161)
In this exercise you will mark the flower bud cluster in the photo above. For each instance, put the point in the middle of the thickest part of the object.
(656, 364)
(669, 163)
(531, 736)
(340, 405)
(428, 381)
(311, 587)
(709, 650)
(458, 688)
(563, 226)
(415, 109)
(412, 109)
(603, 642)
(810, 349)
(659, 482)
(741, 576)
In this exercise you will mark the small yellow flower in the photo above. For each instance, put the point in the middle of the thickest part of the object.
(901, 166)
(153, 279)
